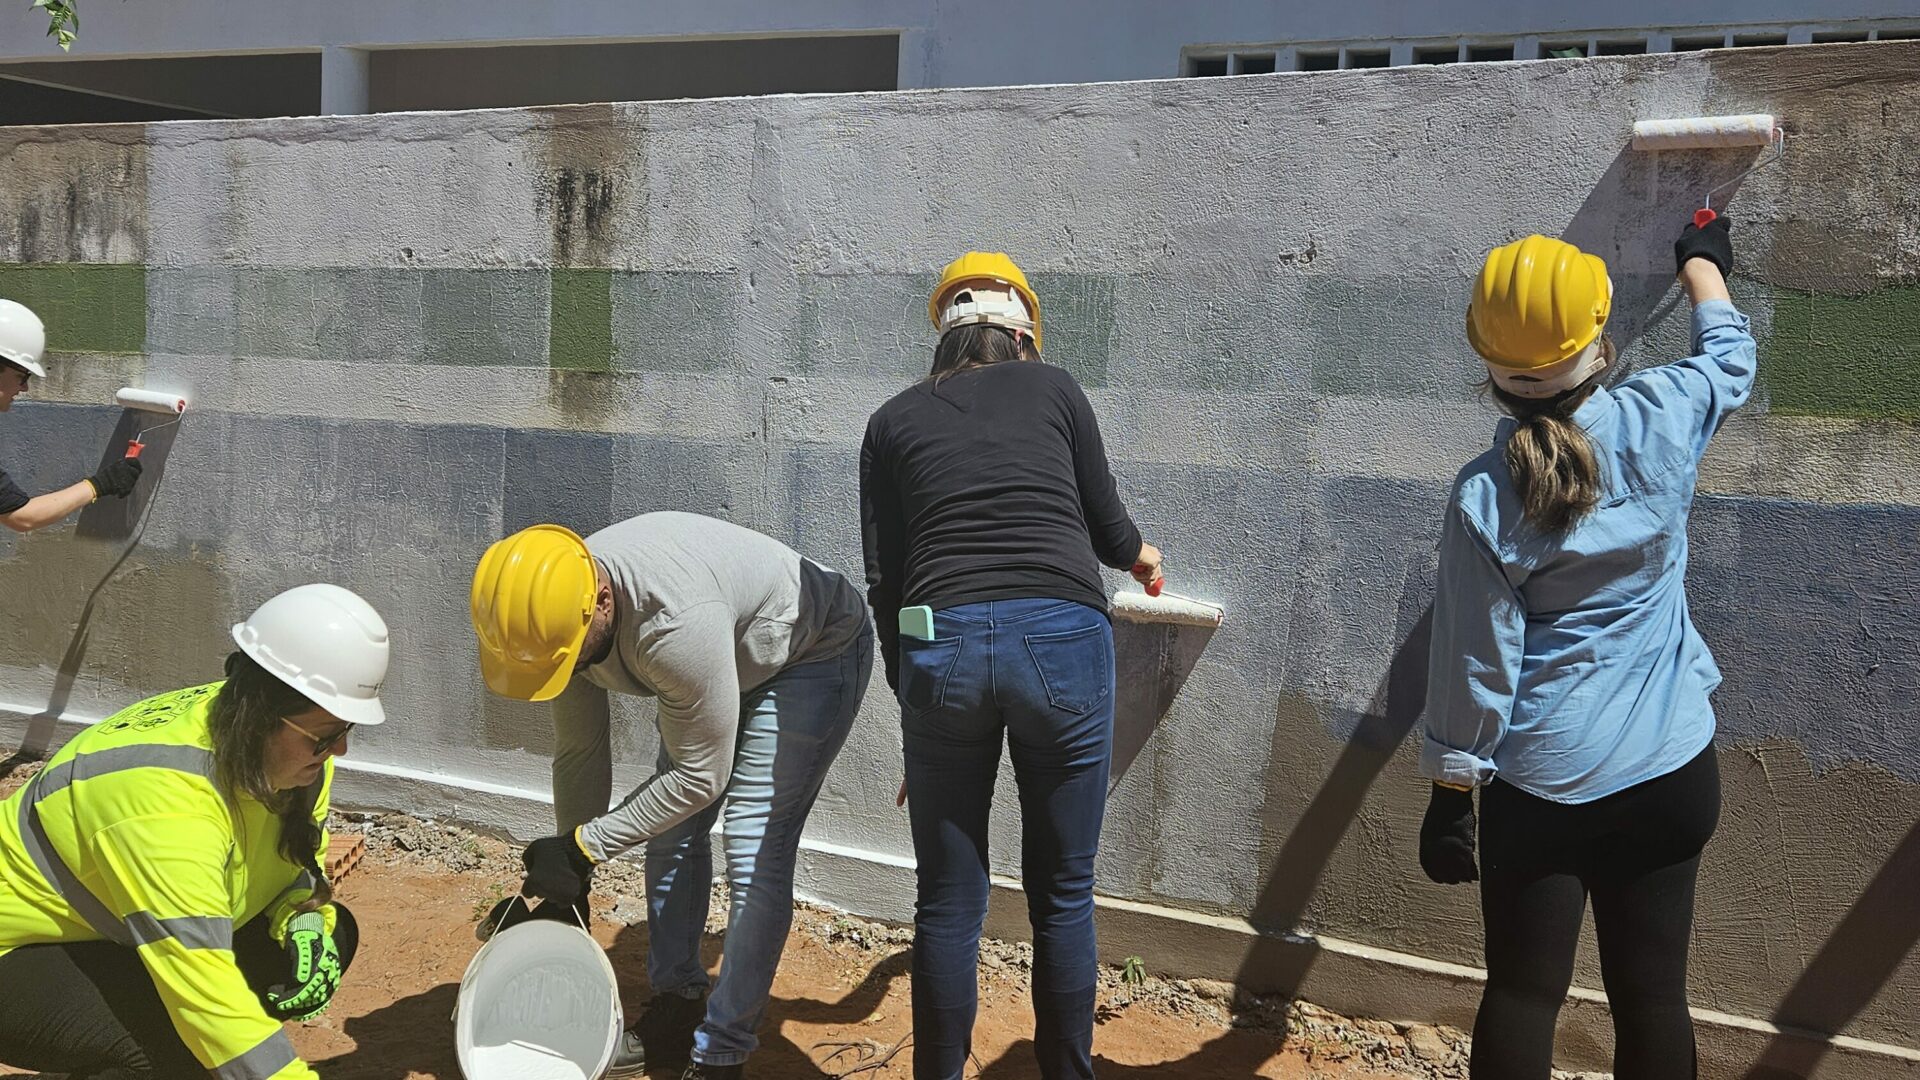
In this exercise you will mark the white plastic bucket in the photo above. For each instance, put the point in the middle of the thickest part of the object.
(538, 1002)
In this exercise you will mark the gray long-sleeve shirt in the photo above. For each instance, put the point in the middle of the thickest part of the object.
(704, 611)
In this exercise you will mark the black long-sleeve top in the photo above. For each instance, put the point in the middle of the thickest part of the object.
(989, 484)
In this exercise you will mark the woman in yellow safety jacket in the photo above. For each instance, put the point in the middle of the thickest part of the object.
(162, 904)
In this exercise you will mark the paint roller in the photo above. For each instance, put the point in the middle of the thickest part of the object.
(1713, 133)
(1158, 606)
(128, 397)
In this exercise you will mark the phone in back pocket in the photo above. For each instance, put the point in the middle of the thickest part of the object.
(917, 622)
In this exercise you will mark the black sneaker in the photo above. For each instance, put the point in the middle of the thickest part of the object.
(661, 1039)
(701, 1071)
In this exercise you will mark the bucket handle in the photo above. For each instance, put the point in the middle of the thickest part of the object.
(571, 910)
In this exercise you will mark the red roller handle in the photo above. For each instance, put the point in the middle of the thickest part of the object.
(1703, 217)
(1153, 587)
(133, 449)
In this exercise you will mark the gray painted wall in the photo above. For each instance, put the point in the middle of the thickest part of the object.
(407, 335)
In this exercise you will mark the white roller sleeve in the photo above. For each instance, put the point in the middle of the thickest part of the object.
(1166, 608)
(1704, 132)
(149, 401)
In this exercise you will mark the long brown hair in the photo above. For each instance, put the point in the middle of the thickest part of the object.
(245, 714)
(979, 345)
(1551, 457)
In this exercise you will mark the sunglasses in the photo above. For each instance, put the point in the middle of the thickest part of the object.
(320, 745)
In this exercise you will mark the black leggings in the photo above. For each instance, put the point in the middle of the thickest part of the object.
(1637, 853)
(89, 1008)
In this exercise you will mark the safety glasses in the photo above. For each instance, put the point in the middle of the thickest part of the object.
(320, 745)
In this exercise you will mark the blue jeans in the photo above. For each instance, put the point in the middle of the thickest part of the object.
(1041, 671)
(791, 729)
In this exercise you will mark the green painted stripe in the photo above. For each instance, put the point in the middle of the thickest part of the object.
(88, 307)
(1851, 356)
(580, 330)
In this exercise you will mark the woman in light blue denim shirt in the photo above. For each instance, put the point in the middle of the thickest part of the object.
(1567, 679)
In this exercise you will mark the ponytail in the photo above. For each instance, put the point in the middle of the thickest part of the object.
(1551, 459)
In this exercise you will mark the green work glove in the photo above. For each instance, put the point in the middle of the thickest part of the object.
(316, 970)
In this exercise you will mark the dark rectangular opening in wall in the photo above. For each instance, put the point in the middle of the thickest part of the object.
(1748, 41)
(173, 88)
(1903, 34)
(1832, 37)
(1692, 44)
(1486, 54)
(1206, 66)
(1255, 63)
(508, 76)
(1438, 54)
(1562, 50)
(1368, 58)
(1620, 48)
(1316, 61)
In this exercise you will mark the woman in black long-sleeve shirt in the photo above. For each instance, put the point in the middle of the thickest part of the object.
(986, 498)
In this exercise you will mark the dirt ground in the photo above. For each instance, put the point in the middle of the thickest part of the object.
(840, 1002)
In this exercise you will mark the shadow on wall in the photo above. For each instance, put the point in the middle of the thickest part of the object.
(1634, 213)
(108, 519)
(1859, 957)
(1155, 661)
(1278, 960)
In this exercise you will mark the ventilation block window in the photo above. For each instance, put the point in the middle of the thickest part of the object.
(1368, 58)
(1483, 54)
(1316, 61)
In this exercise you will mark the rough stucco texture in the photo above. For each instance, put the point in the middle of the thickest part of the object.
(406, 335)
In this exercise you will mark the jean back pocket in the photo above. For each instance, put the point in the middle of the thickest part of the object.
(1076, 666)
(925, 667)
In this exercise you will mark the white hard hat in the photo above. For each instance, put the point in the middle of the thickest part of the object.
(325, 642)
(23, 338)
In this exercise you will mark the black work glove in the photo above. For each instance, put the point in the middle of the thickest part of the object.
(1713, 243)
(556, 869)
(116, 479)
(1446, 837)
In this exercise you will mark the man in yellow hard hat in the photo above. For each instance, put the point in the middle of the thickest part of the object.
(759, 658)
(23, 347)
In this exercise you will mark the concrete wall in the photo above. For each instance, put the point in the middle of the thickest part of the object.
(407, 335)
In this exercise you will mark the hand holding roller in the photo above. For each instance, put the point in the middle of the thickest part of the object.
(1146, 569)
(1151, 607)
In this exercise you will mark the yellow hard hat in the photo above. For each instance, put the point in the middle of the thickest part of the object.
(984, 266)
(1539, 302)
(532, 600)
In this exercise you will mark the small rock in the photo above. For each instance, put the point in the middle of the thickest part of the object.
(1379, 1028)
(1426, 1044)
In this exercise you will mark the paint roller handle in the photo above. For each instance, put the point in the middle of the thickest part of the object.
(1146, 569)
(134, 446)
(1703, 217)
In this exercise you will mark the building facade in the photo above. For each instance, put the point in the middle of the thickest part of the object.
(172, 59)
